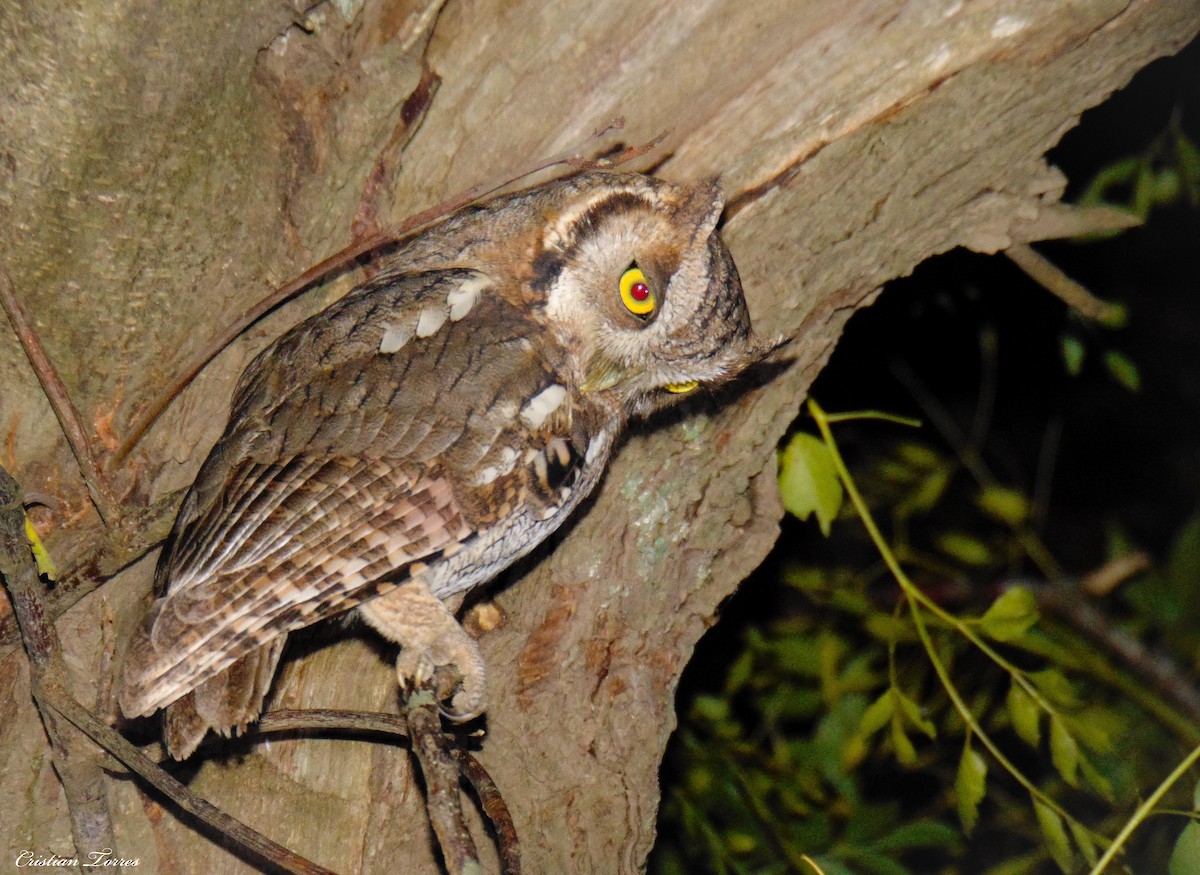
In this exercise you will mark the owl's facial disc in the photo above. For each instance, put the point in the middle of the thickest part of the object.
(648, 292)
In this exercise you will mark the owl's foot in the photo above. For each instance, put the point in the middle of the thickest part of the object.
(453, 662)
(433, 647)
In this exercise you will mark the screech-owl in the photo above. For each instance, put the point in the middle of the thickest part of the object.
(430, 428)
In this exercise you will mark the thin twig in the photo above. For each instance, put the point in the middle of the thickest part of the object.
(1145, 810)
(60, 401)
(972, 459)
(137, 532)
(1048, 275)
(1043, 479)
(78, 769)
(495, 808)
(229, 827)
(1065, 601)
(329, 720)
(431, 748)
(50, 682)
(989, 371)
(333, 720)
(348, 257)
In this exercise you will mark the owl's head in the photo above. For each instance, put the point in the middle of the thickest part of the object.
(636, 277)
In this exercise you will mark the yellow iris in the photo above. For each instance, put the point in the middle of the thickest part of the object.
(682, 388)
(636, 294)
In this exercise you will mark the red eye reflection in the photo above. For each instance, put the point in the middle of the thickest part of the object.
(636, 293)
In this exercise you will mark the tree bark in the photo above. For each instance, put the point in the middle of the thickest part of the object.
(162, 167)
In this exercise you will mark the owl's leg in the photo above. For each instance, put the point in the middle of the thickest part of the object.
(433, 645)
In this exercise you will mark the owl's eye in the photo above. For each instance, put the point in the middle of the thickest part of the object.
(682, 388)
(636, 294)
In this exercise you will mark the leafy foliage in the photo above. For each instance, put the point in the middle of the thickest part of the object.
(832, 736)
(927, 698)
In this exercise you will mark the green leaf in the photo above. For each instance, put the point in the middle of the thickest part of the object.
(1188, 158)
(740, 842)
(699, 780)
(806, 578)
(1115, 174)
(1143, 190)
(1025, 715)
(740, 672)
(1123, 370)
(45, 565)
(912, 711)
(1011, 615)
(827, 865)
(926, 496)
(711, 708)
(1004, 504)
(1183, 561)
(808, 480)
(1055, 835)
(970, 786)
(918, 834)
(1083, 839)
(1185, 858)
(1116, 315)
(868, 863)
(1094, 729)
(919, 455)
(1026, 864)
(967, 549)
(1064, 752)
(890, 629)
(1096, 780)
(877, 714)
(1167, 186)
(1054, 685)
(906, 754)
(1073, 353)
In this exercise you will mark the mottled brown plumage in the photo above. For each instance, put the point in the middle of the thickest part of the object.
(430, 428)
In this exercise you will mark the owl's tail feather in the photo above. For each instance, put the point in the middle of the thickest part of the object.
(227, 702)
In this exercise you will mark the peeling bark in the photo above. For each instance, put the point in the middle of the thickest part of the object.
(160, 169)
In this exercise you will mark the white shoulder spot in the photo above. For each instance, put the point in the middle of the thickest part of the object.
(465, 296)
(430, 320)
(542, 404)
(487, 475)
(594, 446)
(394, 338)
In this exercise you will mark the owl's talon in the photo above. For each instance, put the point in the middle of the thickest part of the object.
(450, 658)
(468, 703)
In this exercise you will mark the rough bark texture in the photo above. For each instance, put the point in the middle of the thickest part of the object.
(161, 168)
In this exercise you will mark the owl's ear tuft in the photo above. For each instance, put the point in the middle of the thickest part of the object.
(703, 204)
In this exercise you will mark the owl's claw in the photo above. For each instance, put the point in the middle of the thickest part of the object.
(433, 647)
(451, 659)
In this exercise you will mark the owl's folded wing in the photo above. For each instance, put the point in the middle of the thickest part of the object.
(349, 441)
(268, 562)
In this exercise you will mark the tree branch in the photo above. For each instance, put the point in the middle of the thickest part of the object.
(77, 768)
(60, 401)
(431, 748)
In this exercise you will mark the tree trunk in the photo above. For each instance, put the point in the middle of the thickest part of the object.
(162, 168)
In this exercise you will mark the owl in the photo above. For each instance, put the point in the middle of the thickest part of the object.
(427, 430)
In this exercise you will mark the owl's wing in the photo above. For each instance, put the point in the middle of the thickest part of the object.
(322, 494)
